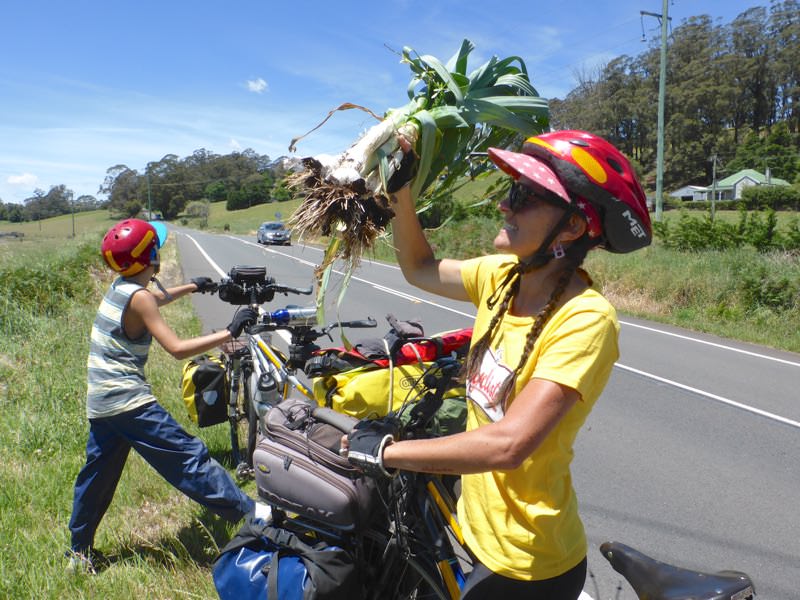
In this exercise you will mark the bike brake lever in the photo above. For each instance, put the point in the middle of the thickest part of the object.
(257, 328)
(362, 324)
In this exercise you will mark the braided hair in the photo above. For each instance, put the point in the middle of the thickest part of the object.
(573, 259)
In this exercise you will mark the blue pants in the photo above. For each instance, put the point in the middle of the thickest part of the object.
(180, 458)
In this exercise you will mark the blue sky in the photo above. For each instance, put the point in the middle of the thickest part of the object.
(86, 85)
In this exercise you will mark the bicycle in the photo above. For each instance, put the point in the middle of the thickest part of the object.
(414, 548)
(411, 547)
(259, 375)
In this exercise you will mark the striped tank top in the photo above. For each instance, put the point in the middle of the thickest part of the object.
(116, 381)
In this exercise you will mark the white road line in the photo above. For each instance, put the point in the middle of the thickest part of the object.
(377, 286)
(414, 298)
(715, 345)
(272, 251)
(210, 260)
(654, 330)
(711, 396)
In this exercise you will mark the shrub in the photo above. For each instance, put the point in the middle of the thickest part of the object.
(757, 229)
(768, 289)
(775, 197)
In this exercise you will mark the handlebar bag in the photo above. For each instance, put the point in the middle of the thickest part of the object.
(298, 469)
(266, 562)
(205, 390)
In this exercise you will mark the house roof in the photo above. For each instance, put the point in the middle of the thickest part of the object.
(688, 189)
(759, 178)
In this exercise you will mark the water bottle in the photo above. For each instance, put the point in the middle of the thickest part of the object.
(295, 315)
(265, 393)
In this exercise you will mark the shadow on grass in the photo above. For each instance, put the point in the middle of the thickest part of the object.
(198, 542)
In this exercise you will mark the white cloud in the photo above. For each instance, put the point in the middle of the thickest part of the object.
(256, 85)
(26, 179)
(234, 144)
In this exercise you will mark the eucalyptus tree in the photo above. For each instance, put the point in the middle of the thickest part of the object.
(125, 189)
(697, 94)
(784, 35)
(750, 46)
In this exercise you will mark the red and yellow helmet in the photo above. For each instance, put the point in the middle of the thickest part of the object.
(131, 246)
(585, 170)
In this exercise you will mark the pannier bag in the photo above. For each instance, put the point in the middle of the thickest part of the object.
(369, 386)
(298, 468)
(266, 562)
(205, 390)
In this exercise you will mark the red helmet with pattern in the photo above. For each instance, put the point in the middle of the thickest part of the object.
(587, 171)
(131, 246)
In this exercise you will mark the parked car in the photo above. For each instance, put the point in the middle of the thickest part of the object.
(273, 232)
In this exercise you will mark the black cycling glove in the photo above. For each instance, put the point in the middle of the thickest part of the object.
(243, 317)
(404, 174)
(204, 284)
(367, 441)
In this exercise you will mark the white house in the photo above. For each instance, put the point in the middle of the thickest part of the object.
(730, 188)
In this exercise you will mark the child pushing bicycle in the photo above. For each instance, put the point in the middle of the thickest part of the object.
(122, 411)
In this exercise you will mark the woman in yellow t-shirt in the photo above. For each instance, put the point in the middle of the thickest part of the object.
(544, 344)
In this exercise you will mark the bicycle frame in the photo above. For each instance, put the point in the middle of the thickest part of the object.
(268, 361)
(259, 375)
(421, 510)
(238, 367)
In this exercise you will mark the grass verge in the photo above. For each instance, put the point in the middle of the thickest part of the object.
(160, 543)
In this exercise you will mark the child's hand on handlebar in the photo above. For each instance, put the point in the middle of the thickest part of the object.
(204, 284)
(243, 318)
(365, 444)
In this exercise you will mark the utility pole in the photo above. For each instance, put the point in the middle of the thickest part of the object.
(149, 201)
(72, 206)
(713, 184)
(662, 81)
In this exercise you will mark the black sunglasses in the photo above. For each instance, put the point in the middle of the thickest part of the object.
(520, 196)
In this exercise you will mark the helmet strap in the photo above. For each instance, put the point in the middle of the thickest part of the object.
(161, 288)
(544, 255)
(540, 258)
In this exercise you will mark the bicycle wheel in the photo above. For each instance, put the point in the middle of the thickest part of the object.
(392, 574)
(246, 430)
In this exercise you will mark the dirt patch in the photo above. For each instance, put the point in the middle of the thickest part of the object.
(633, 301)
(5, 364)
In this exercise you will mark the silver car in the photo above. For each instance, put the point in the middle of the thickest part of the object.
(273, 232)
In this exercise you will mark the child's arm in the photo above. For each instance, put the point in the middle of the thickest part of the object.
(172, 293)
(143, 315)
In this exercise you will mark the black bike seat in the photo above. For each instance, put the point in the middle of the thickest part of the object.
(655, 580)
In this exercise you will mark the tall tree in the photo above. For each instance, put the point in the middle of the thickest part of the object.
(696, 93)
(124, 189)
(751, 52)
(784, 34)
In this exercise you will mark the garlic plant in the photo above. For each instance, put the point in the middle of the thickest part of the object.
(451, 115)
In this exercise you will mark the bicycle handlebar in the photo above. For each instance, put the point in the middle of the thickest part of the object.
(250, 285)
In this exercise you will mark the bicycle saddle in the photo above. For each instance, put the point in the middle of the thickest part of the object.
(654, 580)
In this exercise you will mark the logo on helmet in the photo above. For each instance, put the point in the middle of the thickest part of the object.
(635, 225)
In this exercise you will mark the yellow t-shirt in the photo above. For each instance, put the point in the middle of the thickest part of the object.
(524, 523)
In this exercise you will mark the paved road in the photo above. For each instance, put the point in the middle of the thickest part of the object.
(690, 454)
